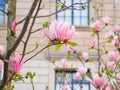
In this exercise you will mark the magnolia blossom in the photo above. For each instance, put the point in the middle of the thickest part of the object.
(85, 56)
(82, 71)
(92, 42)
(13, 27)
(112, 55)
(17, 62)
(116, 41)
(77, 76)
(96, 25)
(110, 34)
(2, 50)
(63, 62)
(110, 87)
(65, 86)
(60, 31)
(110, 65)
(117, 29)
(106, 20)
(98, 82)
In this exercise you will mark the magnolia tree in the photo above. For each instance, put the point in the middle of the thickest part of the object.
(59, 34)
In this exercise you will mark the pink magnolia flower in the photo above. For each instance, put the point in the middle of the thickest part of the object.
(77, 76)
(112, 55)
(96, 25)
(92, 42)
(85, 56)
(110, 65)
(110, 87)
(60, 31)
(116, 41)
(117, 29)
(82, 71)
(2, 50)
(106, 20)
(63, 62)
(13, 27)
(110, 34)
(98, 82)
(65, 86)
(17, 62)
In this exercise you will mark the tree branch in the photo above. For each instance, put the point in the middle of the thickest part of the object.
(29, 33)
(24, 29)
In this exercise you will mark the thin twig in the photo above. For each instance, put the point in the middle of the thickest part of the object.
(29, 33)
(3, 11)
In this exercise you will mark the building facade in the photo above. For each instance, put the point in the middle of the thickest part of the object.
(46, 72)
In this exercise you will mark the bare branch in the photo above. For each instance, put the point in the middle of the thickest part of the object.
(3, 11)
(24, 29)
(34, 18)
(37, 30)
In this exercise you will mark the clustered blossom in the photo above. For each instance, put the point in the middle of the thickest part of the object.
(16, 63)
(92, 43)
(117, 29)
(2, 50)
(60, 31)
(98, 82)
(13, 26)
(110, 35)
(112, 56)
(116, 41)
(96, 26)
(106, 20)
(63, 62)
(85, 56)
(110, 65)
(81, 72)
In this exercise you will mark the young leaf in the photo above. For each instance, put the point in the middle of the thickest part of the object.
(72, 43)
(58, 47)
(46, 24)
(68, 56)
(37, 44)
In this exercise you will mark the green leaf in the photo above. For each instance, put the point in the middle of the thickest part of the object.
(72, 43)
(68, 56)
(59, 4)
(37, 44)
(115, 84)
(89, 74)
(109, 41)
(58, 47)
(53, 61)
(90, 60)
(79, 54)
(119, 65)
(93, 34)
(46, 24)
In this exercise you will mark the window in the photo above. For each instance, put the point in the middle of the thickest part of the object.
(73, 16)
(61, 76)
(2, 15)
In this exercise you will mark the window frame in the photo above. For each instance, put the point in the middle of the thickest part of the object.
(72, 16)
(2, 5)
(73, 82)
